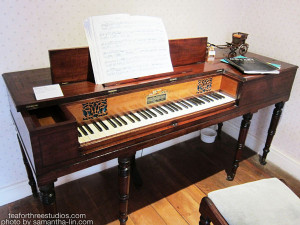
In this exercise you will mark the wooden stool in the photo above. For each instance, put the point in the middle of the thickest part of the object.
(263, 202)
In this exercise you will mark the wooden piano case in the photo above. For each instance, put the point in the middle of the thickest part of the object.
(47, 129)
(52, 124)
(120, 97)
(48, 136)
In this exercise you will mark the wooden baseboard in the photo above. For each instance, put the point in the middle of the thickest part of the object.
(14, 192)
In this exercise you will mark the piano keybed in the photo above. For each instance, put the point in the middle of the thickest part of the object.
(123, 122)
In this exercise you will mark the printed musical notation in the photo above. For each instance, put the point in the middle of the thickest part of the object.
(124, 47)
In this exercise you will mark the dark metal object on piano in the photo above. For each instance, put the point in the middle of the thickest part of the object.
(238, 43)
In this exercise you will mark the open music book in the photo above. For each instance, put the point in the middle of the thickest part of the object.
(124, 47)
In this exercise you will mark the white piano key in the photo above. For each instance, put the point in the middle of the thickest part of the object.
(102, 125)
(97, 134)
(111, 130)
(127, 127)
(144, 122)
(80, 139)
(83, 137)
(104, 131)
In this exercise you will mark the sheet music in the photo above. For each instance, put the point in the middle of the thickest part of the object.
(124, 47)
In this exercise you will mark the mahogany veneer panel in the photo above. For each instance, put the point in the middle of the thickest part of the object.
(71, 65)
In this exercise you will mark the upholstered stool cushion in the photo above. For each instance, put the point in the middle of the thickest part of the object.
(263, 202)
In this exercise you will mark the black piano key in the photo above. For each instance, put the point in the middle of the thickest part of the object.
(168, 108)
(171, 106)
(159, 112)
(217, 94)
(150, 112)
(103, 124)
(82, 130)
(112, 123)
(193, 102)
(212, 96)
(163, 110)
(79, 134)
(188, 104)
(129, 118)
(97, 126)
(122, 120)
(203, 102)
(86, 126)
(147, 114)
(198, 101)
(116, 121)
(182, 104)
(175, 105)
(135, 117)
(142, 115)
(203, 98)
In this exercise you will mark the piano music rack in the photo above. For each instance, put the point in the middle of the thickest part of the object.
(73, 65)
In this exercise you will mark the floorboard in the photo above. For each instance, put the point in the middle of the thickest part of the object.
(175, 180)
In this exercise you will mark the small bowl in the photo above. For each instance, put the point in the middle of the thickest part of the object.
(208, 135)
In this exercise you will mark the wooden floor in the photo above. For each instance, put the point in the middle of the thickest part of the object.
(175, 180)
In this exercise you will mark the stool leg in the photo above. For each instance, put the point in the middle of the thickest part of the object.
(209, 213)
(240, 145)
(204, 221)
(271, 132)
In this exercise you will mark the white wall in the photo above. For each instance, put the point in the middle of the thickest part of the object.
(274, 28)
(29, 28)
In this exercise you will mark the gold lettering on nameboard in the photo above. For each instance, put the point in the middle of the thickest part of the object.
(158, 95)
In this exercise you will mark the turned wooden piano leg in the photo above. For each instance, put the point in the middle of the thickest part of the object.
(135, 175)
(204, 221)
(271, 132)
(240, 144)
(31, 179)
(47, 196)
(220, 125)
(124, 183)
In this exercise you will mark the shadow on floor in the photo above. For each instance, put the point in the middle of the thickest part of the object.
(164, 172)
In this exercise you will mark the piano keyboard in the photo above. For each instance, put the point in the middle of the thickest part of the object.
(97, 129)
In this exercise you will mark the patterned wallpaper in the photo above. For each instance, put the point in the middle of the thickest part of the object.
(274, 28)
(29, 28)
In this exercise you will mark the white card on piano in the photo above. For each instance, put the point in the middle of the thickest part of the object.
(47, 91)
